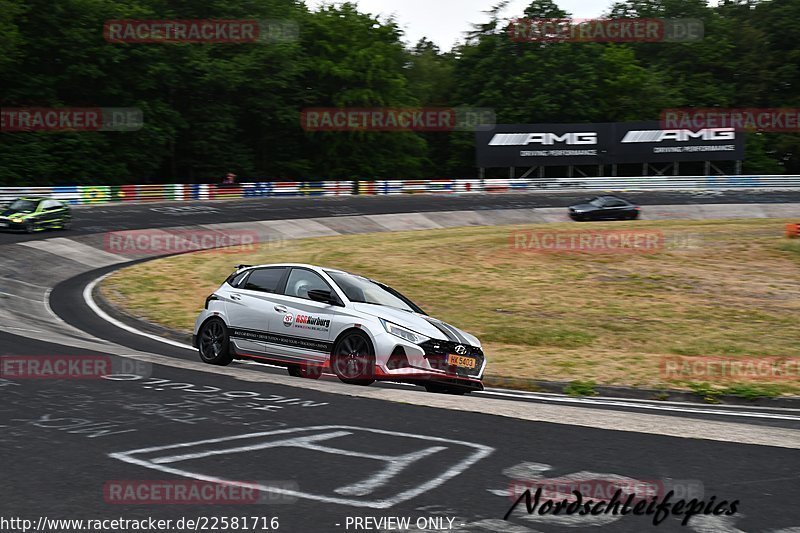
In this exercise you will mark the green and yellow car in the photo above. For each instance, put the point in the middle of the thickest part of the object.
(35, 214)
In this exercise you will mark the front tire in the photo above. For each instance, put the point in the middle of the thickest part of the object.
(29, 227)
(213, 343)
(353, 359)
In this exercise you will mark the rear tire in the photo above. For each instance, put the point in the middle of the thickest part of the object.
(353, 359)
(213, 344)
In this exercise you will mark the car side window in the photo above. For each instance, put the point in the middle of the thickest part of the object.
(265, 279)
(235, 279)
(301, 281)
(614, 202)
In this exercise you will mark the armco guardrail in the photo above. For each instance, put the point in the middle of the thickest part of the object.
(641, 183)
(100, 194)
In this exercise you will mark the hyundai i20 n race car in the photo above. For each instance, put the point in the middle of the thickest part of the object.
(311, 319)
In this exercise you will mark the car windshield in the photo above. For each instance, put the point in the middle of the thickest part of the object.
(23, 206)
(597, 202)
(359, 289)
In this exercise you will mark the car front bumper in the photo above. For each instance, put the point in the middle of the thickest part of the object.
(8, 224)
(400, 360)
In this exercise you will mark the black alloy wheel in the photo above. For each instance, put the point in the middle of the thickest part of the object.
(353, 359)
(213, 343)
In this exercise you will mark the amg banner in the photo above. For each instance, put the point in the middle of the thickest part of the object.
(520, 145)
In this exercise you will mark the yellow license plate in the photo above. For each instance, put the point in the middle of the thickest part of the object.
(460, 360)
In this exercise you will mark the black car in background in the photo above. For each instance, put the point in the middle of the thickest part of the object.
(604, 208)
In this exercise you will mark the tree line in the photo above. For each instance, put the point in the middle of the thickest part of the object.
(213, 108)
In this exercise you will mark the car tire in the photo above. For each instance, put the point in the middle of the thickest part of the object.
(66, 223)
(29, 227)
(305, 371)
(213, 344)
(353, 359)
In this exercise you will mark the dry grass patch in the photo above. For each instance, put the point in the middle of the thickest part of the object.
(716, 288)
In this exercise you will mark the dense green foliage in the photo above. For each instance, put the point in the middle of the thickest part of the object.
(209, 108)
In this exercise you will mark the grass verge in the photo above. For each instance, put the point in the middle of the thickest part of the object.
(718, 288)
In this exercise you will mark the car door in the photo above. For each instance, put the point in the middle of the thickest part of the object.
(300, 327)
(50, 213)
(615, 208)
(39, 216)
(250, 307)
(598, 212)
(60, 213)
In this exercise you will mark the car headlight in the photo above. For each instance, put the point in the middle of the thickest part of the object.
(16, 220)
(403, 333)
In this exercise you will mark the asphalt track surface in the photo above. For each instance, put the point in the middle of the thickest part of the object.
(63, 442)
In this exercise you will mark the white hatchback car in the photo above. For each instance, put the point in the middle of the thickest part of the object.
(311, 319)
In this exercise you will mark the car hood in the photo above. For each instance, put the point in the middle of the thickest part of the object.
(428, 326)
(583, 207)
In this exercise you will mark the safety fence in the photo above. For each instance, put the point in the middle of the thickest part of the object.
(101, 194)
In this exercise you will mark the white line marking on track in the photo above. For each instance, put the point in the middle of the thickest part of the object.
(29, 284)
(87, 297)
(20, 297)
(617, 403)
(479, 451)
(22, 329)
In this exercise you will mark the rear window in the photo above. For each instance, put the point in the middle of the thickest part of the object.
(265, 279)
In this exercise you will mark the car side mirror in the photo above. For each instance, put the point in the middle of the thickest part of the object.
(320, 295)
